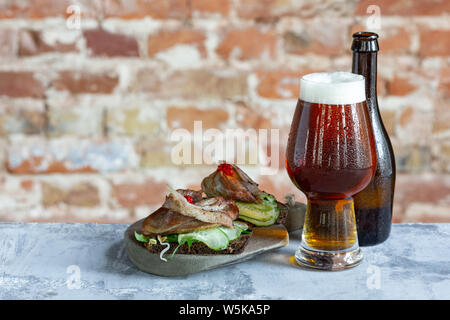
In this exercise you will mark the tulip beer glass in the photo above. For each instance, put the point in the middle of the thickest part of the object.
(330, 157)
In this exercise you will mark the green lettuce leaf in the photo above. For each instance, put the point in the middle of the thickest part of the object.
(141, 238)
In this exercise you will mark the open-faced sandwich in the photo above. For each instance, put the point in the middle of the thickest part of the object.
(255, 206)
(187, 223)
(220, 223)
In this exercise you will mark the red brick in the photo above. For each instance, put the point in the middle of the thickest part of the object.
(136, 9)
(391, 39)
(441, 154)
(51, 194)
(400, 86)
(314, 40)
(19, 116)
(32, 43)
(33, 164)
(249, 118)
(19, 199)
(163, 9)
(82, 194)
(33, 8)
(441, 120)
(397, 40)
(415, 126)
(8, 39)
(252, 9)
(27, 185)
(20, 84)
(444, 82)
(74, 115)
(104, 43)
(434, 42)
(389, 121)
(184, 117)
(132, 194)
(210, 6)
(381, 86)
(167, 39)
(272, 10)
(411, 158)
(82, 82)
(154, 152)
(406, 116)
(422, 189)
(280, 84)
(192, 84)
(134, 121)
(247, 44)
(405, 7)
(68, 155)
(40, 9)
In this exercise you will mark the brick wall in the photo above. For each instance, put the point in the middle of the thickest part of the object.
(86, 114)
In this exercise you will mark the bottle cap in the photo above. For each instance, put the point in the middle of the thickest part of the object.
(365, 41)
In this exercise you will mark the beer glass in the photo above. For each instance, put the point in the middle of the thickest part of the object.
(330, 157)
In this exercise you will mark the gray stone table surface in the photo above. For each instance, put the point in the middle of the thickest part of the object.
(44, 261)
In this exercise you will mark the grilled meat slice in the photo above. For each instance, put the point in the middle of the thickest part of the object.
(232, 183)
(214, 210)
(166, 221)
(177, 215)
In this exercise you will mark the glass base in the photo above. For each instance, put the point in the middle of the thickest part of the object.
(336, 260)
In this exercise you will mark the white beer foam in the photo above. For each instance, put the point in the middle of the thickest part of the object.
(332, 88)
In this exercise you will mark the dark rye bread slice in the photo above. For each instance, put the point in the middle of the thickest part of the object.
(235, 247)
(282, 218)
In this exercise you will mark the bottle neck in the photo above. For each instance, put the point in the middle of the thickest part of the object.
(365, 63)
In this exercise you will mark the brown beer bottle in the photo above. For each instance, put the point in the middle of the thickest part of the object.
(373, 205)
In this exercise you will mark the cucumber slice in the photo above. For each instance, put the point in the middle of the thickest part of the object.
(269, 218)
(241, 225)
(255, 211)
(231, 233)
(235, 232)
(263, 207)
(264, 213)
(214, 238)
(260, 223)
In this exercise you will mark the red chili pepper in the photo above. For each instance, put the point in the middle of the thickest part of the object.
(226, 168)
(189, 199)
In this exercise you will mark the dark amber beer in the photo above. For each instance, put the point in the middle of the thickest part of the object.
(329, 161)
(373, 205)
(330, 157)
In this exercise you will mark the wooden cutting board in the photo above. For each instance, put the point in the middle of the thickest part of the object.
(263, 239)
